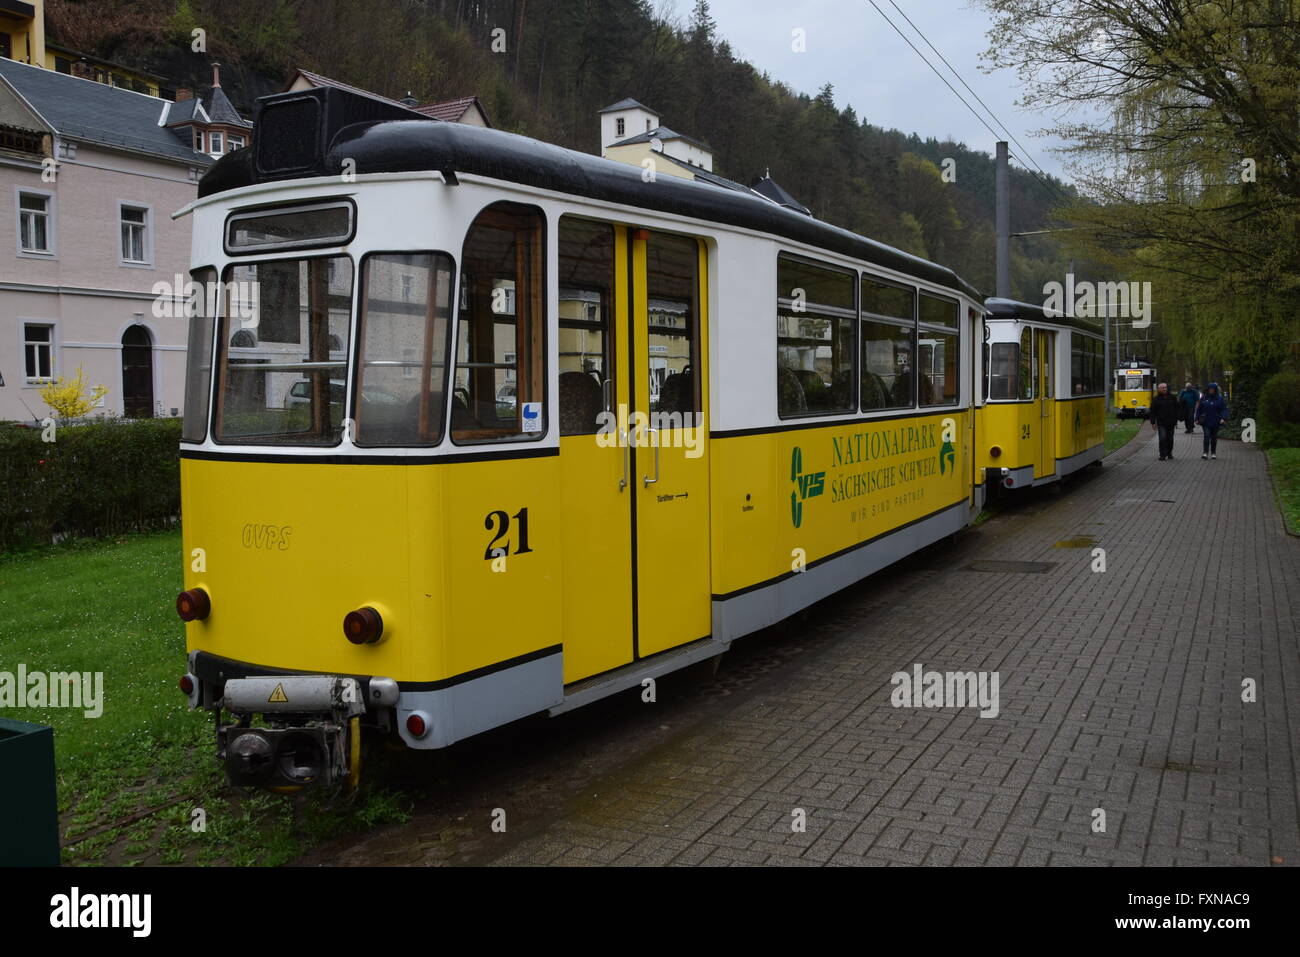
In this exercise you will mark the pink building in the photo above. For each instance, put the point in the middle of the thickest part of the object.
(89, 177)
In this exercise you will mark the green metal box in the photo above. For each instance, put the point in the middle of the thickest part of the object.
(29, 806)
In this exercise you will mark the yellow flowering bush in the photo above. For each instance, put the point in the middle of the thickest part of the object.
(69, 400)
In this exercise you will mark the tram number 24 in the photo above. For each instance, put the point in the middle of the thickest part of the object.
(501, 522)
(1024, 431)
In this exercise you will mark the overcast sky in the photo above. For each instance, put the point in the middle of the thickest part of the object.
(874, 70)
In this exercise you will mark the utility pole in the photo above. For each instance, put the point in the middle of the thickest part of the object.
(1003, 203)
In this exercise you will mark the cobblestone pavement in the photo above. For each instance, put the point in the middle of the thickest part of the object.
(1120, 693)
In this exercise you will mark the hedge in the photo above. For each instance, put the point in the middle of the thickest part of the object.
(1279, 411)
(104, 478)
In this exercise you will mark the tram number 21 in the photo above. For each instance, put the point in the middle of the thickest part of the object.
(501, 522)
(1024, 431)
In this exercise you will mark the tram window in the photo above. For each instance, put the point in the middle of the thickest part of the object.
(815, 319)
(888, 347)
(938, 352)
(1004, 363)
(402, 350)
(198, 358)
(586, 270)
(281, 363)
(671, 297)
(1098, 377)
(1025, 377)
(1078, 364)
(500, 378)
(887, 363)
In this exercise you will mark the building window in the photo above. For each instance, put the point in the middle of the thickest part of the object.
(135, 233)
(63, 65)
(620, 127)
(38, 350)
(35, 223)
(215, 142)
(236, 143)
(198, 140)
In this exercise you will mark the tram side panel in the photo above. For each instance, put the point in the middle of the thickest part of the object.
(845, 501)
(1009, 441)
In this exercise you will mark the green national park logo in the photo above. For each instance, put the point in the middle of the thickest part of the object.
(806, 485)
(947, 457)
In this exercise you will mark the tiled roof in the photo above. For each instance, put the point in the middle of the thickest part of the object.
(98, 113)
(221, 110)
(316, 79)
(661, 133)
(452, 110)
(628, 104)
(767, 187)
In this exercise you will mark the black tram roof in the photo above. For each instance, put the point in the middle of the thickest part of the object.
(311, 133)
(1014, 309)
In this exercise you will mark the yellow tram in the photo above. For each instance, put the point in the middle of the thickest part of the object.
(1044, 413)
(483, 428)
(1134, 387)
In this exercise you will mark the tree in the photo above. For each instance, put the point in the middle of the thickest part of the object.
(1191, 169)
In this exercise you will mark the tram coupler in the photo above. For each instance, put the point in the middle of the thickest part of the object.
(310, 732)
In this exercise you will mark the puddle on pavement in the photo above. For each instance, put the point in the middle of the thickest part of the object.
(1079, 541)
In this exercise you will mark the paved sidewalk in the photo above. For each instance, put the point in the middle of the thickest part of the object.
(1120, 691)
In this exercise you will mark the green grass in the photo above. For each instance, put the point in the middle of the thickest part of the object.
(1120, 431)
(130, 779)
(1284, 465)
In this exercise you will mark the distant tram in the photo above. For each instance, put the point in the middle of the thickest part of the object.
(511, 429)
(1134, 385)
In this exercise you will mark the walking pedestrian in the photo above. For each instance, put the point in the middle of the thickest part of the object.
(1211, 412)
(1164, 415)
(1189, 396)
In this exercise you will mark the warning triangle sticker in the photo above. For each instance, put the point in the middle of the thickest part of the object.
(278, 696)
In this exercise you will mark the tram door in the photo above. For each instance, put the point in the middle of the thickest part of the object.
(1046, 346)
(633, 452)
(670, 477)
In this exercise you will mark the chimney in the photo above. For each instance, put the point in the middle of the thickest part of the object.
(409, 101)
(216, 75)
(184, 93)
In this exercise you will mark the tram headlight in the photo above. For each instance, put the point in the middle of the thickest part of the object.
(364, 626)
(193, 605)
(995, 451)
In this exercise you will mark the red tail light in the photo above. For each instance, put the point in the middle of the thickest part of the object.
(193, 605)
(995, 451)
(416, 726)
(187, 684)
(363, 626)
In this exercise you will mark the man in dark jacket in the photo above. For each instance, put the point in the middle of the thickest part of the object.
(1189, 396)
(1166, 411)
(1211, 412)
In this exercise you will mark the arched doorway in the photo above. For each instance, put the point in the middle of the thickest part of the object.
(137, 373)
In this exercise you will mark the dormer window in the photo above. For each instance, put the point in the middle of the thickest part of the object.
(216, 142)
(235, 142)
(620, 127)
(198, 140)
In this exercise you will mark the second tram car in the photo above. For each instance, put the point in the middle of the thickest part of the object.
(1045, 395)
(484, 428)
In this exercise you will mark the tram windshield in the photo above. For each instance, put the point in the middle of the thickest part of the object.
(282, 359)
(1127, 382)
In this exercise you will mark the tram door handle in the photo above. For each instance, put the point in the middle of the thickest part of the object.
(647, 479)
(604, 395)
(627, 458)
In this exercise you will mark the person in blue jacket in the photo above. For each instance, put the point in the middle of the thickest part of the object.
(1211, 412)
(1189, 396)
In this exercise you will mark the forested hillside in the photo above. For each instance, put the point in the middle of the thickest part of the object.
(565, 59)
